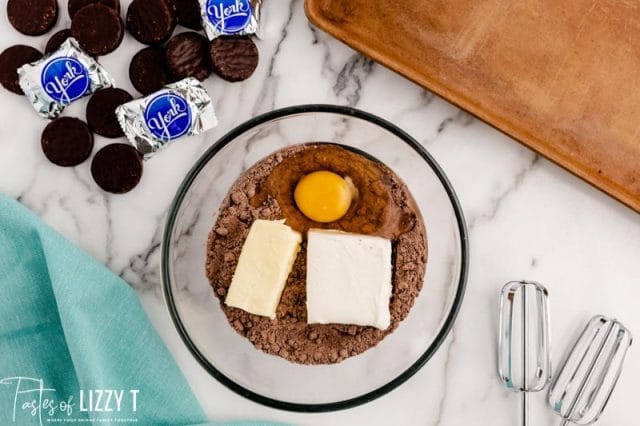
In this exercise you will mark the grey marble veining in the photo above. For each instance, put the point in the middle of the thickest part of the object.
(527, 219)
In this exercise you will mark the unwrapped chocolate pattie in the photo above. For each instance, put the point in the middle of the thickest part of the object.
(62, 77)
(179, 109)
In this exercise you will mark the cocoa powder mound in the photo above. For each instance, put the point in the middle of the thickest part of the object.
(289, 336)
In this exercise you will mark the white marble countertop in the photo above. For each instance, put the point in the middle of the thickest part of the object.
(527, 219)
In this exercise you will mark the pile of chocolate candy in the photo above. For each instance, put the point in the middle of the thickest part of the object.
(168, 73)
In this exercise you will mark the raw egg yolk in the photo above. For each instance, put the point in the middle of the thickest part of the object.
(323, 196)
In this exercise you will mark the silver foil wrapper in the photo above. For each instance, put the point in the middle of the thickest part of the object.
(179, 109)
(62, 77)
(231, 17)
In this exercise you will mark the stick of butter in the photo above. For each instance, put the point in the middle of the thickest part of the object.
(265, 262)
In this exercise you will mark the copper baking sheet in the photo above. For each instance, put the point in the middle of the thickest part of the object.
(561, 77)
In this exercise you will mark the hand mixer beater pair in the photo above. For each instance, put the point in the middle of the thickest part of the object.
(587, 377)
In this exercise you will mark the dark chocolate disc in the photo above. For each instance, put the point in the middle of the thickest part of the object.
(10, 60)
(151, 21)
(67, 141)
(32, 17)
(188, 13)
(149, 70)
(101, 111)
(76, 5)
(56, 40)
(187, 56)
(117, 168)
(98, 29)
(233, 58)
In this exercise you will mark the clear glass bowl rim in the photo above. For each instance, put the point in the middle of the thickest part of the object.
(228, 138)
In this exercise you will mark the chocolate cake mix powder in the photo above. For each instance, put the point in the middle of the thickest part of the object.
(289, 336)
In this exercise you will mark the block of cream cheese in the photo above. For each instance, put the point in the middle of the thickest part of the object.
(265, 262)
(348, 279)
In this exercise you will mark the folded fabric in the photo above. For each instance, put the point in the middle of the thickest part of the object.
(75, 344)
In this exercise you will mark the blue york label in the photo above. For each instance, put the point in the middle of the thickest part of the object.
(65, 80)
(168, 116)
(229, 16)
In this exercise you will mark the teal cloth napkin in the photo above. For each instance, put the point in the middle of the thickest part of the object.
(74, 339)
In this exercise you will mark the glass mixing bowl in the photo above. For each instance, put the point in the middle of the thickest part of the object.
(269, 379)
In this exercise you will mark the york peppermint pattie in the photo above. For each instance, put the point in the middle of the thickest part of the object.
(179, 109)
(62, 77)
(230, 17)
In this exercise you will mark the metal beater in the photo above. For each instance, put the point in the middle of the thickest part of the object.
(588, 376)
(524, 362)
